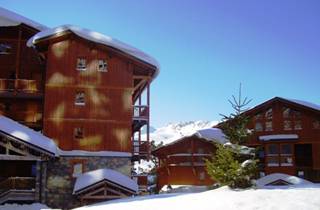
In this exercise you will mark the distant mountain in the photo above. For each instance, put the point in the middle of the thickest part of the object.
(174, 131)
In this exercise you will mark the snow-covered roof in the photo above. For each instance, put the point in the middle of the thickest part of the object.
(212, 134)
(27, 135)
(264, 181)
(9, 18)
(278, 137)
(82, 153)
(92, 177)
(304, 103)
(98, 38)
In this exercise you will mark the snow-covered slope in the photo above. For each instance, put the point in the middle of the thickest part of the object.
(174, 131)
(222, 198)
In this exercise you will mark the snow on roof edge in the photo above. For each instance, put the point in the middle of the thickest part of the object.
(278, 137)
(304, 103)
(9, 18)
(98, 38)
(92, 177)
(83, 153)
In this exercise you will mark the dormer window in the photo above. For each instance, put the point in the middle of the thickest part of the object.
(102, 65)
(5, 49)
(81, 64)
(80, 98)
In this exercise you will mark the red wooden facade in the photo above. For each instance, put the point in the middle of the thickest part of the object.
(288, 135)
(40, 88)
(183, 162)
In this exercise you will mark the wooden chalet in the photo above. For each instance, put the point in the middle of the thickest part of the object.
(182, 162)
(287, 133)
(87, 92)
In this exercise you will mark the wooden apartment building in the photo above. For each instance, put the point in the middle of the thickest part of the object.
(86, 94)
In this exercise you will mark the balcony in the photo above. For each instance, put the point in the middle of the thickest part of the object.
(20, 87)
(140, 112)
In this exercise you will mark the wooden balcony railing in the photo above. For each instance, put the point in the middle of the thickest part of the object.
(140, 112)
(20, 85)
(17, 183)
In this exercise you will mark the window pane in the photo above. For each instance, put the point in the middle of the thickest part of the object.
(81, 64)
(286, 149)
(316, 124)
(78, 133)
(77, 169)
(80, 98)
(287, 125)
(5, 49)
(258, 126)
(269, 126)
(296, 114)
(273, 149)
(286, 112)
(298, 125)
(269, 114)
(102, 65)
(286, 161)
(272, 161)
(258, 116)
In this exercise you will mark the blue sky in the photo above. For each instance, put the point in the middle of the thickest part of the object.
(205, 47)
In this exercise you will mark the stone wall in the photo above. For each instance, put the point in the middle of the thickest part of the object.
(60, 180)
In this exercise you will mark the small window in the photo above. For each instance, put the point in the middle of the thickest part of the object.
(286, 112)
(316, 124)
(273, 149)
(200, 151)
(78, 133)
(287, 125)
(286, 149)
(269, 126)
(81, 64)
(258, 126)
(102, 65)
(202, 176)
(80, 98)
(272, 161)
(77, 169)
(268, 114)
(286, 161)
(258, 116)
(298, 125)
(296, 114)
(5, 49)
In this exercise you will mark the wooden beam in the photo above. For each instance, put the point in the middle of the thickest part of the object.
(24, 151)
(147, 77)
(18, 54)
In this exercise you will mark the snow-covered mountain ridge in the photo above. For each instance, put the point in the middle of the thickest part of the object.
(174, 131)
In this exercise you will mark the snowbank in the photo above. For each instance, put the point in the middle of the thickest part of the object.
(292, 180)
(221, 198)
(34, 206)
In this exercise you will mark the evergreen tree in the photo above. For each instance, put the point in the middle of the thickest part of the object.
(228, 165)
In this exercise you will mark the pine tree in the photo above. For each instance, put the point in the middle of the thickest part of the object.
(228, 165)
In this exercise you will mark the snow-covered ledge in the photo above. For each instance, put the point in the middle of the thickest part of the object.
(279, 137)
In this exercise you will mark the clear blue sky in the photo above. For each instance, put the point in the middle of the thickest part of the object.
(205, 48)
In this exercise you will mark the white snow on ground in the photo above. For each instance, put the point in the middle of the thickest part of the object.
(98, 38)
(222, 198)
(34, 206)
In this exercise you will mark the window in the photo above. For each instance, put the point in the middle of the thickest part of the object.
(200, 151)
(269, 126)
(286, 112)
(316, 124)
(268, 114)
(81, 64)
(78, 133)
(258, 126)
(258, 116)
(102, 65)
(77, 169)
(5, 49)
(273, 149)
(202, 175)
(279, 155)
(80, 98)
(297, 125)
(287, 125)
